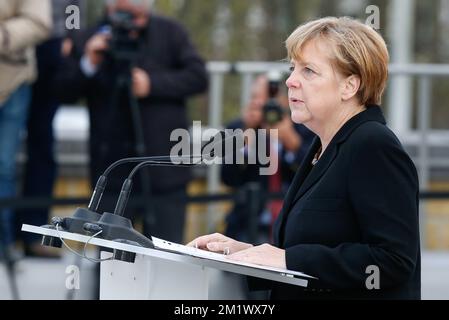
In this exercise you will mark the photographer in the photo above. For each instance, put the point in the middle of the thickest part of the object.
(265, 111)
(134, 54)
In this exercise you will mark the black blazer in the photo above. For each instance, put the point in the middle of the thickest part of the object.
(357, 207)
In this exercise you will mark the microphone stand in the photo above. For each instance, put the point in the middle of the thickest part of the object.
(115, 227)
(88, 220)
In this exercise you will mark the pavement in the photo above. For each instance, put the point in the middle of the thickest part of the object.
(48, 279)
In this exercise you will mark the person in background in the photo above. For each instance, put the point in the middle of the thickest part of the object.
(293, 141)
(164, 70)
(23, 25)
(353, 205)
(41, 169)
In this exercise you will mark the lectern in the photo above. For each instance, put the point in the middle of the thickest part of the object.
(163, 274)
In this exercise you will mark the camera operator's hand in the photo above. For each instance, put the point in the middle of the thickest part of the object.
(252, 117)
(252, 114)
(287, 134)
(95, 48)
(66, 47)
(141, 83)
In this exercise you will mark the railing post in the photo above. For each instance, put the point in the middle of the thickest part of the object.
(424, 111)
(247, 80)
(215, 121)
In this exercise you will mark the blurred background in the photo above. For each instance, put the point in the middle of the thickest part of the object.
(240, 40)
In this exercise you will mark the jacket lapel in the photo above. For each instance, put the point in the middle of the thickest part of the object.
(298, 180)
(308, 177)
(302, 174)
(318, 170)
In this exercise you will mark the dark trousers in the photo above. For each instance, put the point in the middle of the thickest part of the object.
(40, 169)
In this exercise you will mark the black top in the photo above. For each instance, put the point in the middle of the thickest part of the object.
(353, 211)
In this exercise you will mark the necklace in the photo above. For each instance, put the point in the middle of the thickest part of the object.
(317, 157)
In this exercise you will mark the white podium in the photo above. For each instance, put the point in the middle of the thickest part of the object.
(160, 274)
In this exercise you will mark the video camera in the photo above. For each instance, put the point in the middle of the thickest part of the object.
(273, 112)
(126, 37)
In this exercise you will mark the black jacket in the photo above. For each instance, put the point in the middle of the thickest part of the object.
(357, 207)
(176, 71)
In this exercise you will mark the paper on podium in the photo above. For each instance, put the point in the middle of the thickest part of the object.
(191, 251)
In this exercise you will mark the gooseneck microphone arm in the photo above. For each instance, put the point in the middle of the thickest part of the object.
(140, 159)
(102, 180)
(127, 185)
(154, 160)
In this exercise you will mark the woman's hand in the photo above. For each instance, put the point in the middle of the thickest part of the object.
(219, 243)
(264, 254)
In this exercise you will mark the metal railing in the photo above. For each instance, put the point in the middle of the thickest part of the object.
(423, 138)
(420, 141)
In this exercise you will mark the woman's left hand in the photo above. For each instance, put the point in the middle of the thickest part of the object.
(264, 254)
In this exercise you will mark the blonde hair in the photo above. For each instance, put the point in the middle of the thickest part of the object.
(357, 50)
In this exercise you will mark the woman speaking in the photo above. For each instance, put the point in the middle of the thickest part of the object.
(351, 212)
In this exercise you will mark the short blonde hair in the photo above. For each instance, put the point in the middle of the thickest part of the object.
(357, 49)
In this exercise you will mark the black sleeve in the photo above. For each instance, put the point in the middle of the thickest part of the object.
(190, 75)
(70, 84)
(383, 191)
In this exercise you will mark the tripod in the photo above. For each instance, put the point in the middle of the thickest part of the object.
(123, 85)
(5, 256)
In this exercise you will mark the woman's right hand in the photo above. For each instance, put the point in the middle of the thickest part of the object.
(217, 242)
